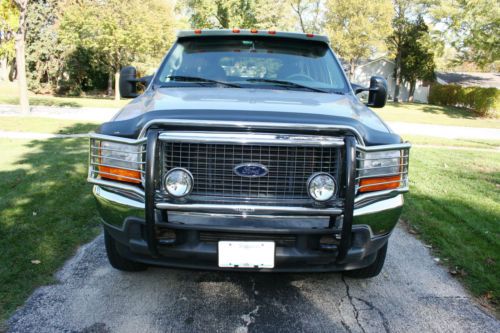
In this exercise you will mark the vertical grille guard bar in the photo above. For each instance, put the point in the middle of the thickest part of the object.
(345, 241)
(151, 176)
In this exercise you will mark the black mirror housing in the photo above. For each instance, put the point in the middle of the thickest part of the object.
(128, 82)
(377, 93)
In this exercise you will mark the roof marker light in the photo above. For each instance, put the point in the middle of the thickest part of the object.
(254, 31)
(272, 32)
(310, 35)
(197, 31)
(236, 31)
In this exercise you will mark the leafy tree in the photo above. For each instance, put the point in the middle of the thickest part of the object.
(309, 14)
(9, 22)
(358, 28)
(472, 27)
(404, 12)
(228, 14)
(417, 57)
(45, 54)
(121, 31)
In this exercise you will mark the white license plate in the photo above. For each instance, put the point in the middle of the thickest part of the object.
(246, 254)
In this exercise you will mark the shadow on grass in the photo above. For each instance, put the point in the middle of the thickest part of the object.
(79, 128)
(53, 102)
(452, 112)
(463, 234)
(46, 212)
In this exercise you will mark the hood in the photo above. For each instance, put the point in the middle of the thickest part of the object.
(254, 105)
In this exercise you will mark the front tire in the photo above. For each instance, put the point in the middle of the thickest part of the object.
(372, 270)
(117, 260)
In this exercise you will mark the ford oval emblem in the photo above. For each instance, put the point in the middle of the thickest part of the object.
(250, 170)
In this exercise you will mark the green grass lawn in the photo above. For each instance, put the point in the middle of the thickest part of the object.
(432, 114)
(454, 204)
(9, 95)
(46, 212)
(45, 125)
(436, 141)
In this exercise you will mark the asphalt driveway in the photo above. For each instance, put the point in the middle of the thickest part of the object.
(412, 294)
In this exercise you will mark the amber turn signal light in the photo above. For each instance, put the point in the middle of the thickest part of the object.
(123, 175)
(379, 183)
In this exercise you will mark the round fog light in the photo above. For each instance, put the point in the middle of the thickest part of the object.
(178, 182)
(321, 186)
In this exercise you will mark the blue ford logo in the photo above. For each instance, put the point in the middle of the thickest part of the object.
(250, 170)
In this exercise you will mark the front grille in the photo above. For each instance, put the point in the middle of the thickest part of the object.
(212, 167)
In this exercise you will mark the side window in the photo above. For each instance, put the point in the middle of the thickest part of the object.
(174, 62)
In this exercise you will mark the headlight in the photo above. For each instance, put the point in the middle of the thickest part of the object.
(120, 161)
(380, 170)
(321, 187)
(381, 163)
(178, 182)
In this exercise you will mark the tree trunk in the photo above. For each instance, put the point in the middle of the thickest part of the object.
(397, 75)
(352, 68)
(21, 57)
(4, 71)
(413, 84)
(110, 84)
(117, 85)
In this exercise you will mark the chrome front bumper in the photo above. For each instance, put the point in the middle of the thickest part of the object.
(379, 216)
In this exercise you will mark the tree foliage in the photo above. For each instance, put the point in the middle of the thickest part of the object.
(417, 57)
(244, 14)
(44, 53)
(472, 27)
(9, 23)
(309, 14)
(358, 28)
(405, 11)
(118, 32)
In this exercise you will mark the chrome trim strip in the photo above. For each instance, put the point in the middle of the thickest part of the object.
(118, 185)
(368, 198)
(397, 146)
(117, 139)
(252, 139)
(375, 207)
(250, 125)
(248, 209)
(379, 206)
(116, 198)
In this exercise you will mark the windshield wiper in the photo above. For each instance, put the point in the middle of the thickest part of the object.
(200, 80)
(287, 84)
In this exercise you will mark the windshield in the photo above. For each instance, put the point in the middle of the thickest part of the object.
(266, 63)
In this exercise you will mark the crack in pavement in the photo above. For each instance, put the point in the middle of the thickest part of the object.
(385, 322)
(355, 309)
(371, 306)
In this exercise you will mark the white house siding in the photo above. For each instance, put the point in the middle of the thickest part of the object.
(385, 68)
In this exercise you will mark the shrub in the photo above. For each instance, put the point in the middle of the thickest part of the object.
(482, 101)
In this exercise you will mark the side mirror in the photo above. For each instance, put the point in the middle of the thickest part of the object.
(377, 92)
(129, 81)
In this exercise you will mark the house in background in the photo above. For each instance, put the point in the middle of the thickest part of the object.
(470, 79)
(385, 67)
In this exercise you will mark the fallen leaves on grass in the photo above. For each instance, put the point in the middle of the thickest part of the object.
(457, 271)
(490, 261)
